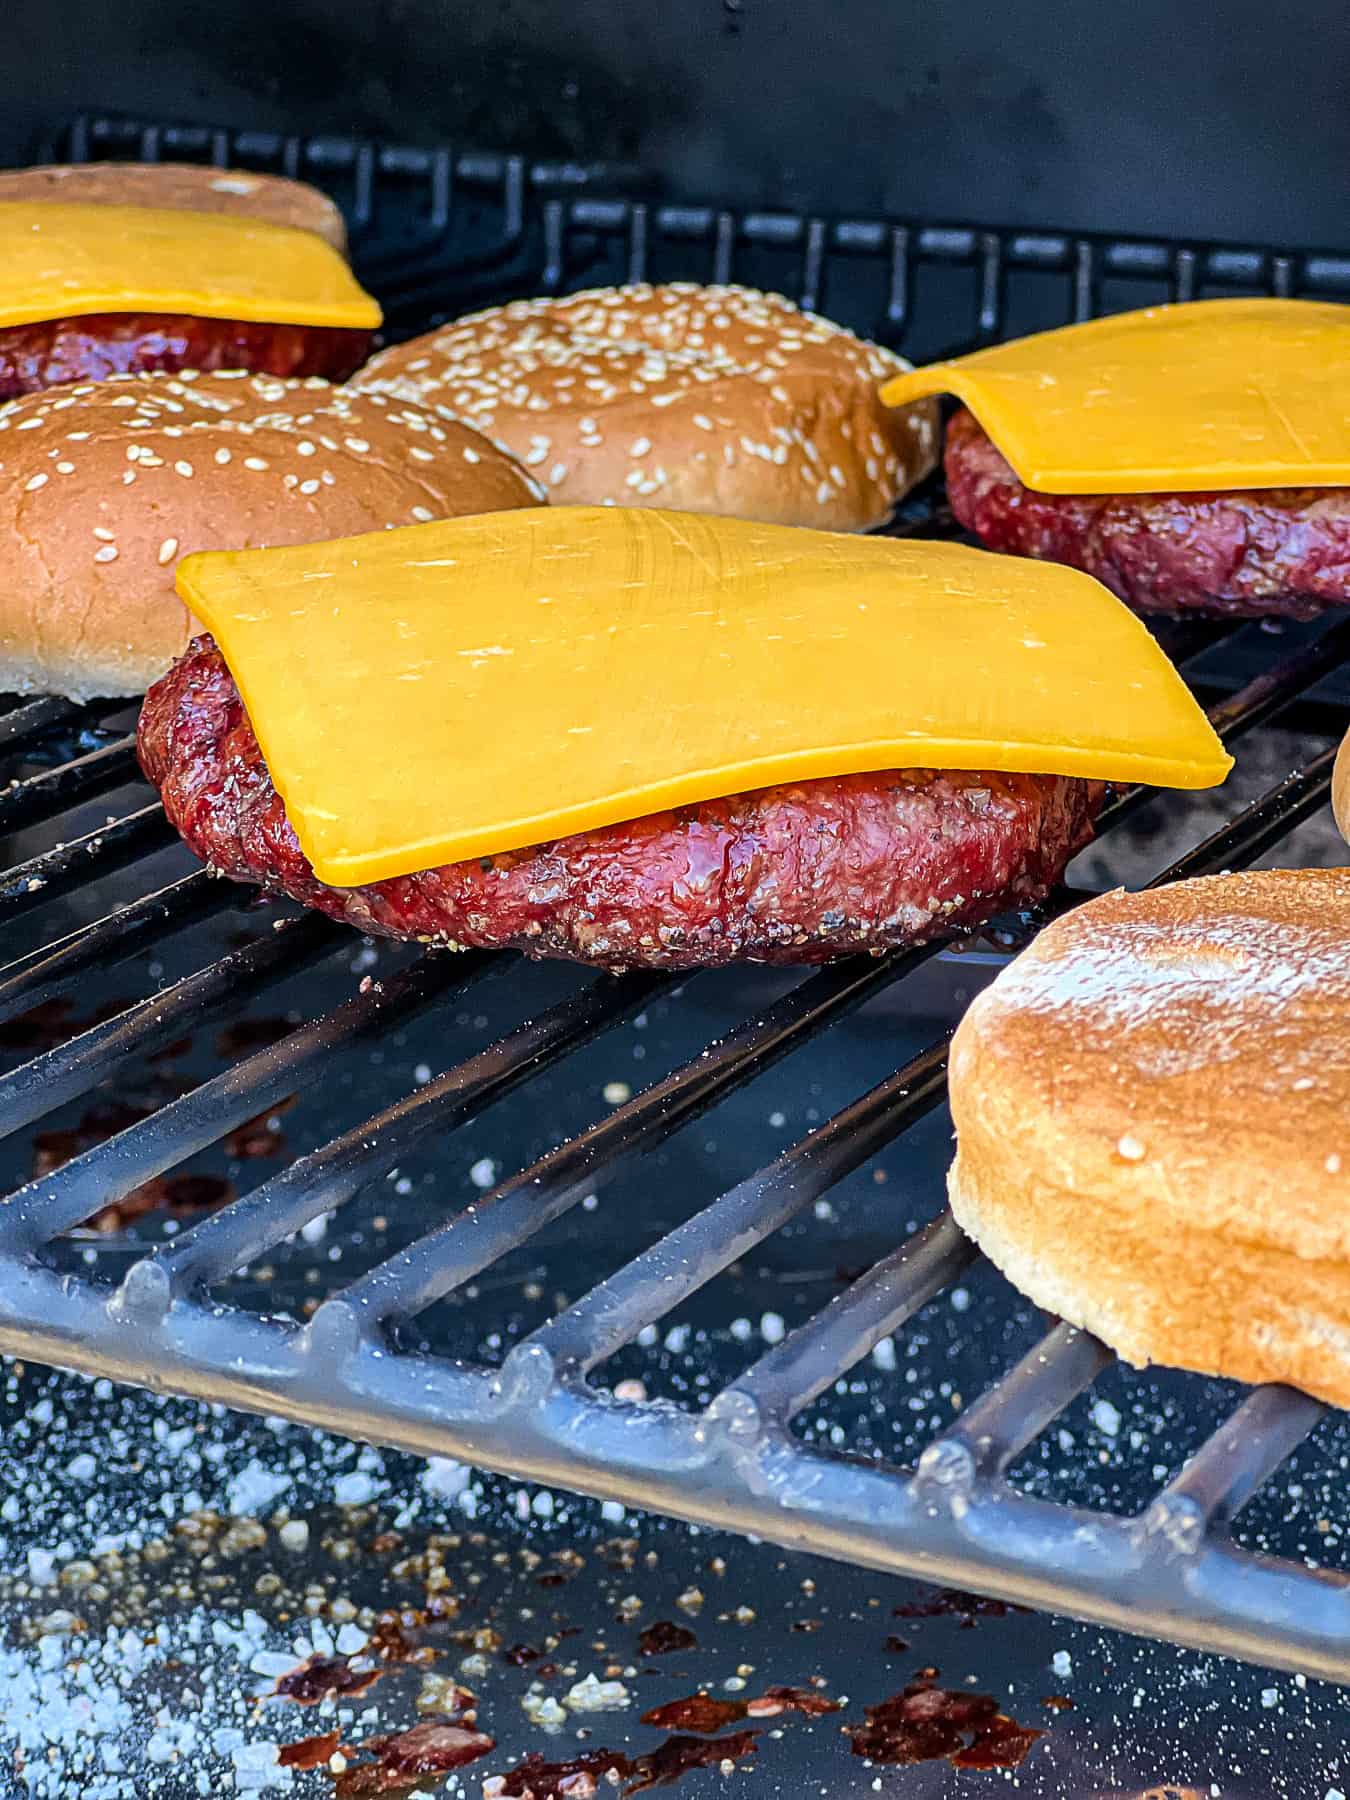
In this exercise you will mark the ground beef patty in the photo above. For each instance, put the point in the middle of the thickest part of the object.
(792, 874)
(50, 352)
(1247, 554)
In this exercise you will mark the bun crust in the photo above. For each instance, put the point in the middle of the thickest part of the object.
(1340, 787)
(103, 486)
(1153, 1120)
(699, 399)
(187, 187)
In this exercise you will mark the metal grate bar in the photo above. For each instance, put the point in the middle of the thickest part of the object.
(70, 866)
(106, 1173)
(36, 718)
(1230, 1466)
(1262, 825)
(649, 1286)
(42, 796)
(328, 1177)
(112, 939)
(996, 1428)
(524, 1204)
(812, 1358)
(48, 1081)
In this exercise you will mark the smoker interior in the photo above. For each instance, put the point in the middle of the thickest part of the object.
(464, 1124)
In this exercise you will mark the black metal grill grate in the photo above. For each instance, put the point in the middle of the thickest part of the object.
(1171, 1571)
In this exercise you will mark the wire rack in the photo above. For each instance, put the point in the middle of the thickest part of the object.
(1172, 1570)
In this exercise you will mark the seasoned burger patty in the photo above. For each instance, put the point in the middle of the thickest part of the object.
(49, 352)
(1246, 554)
(791, 874)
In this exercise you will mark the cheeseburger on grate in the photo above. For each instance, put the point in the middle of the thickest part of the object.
(116, 269)
(1194, 458)
(702, 399)
(655, 740)
(105, 485)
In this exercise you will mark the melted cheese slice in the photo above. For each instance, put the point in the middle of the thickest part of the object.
(479, 684)
(64, 261)
(1214, 394)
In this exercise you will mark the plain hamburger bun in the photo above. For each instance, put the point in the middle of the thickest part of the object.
(182, 187)
(1340, 787)
(1153, 1123)
(696, 399)
(103, 486)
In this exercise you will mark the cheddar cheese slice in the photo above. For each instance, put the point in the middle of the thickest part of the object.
(61, 260)
(479, 684)
(1214, 394)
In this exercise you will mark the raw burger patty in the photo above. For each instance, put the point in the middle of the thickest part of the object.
(1274, 550)
(50, 352)
(792, 874)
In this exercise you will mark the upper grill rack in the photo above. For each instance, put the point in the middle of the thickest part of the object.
(1171, 1570)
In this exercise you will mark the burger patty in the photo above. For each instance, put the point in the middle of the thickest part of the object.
(1239, 555)
(49, 352)
(793, 874)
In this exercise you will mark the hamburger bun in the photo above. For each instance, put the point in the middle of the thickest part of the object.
(1153, 1124)
(103, 486)
(695, 399)
(186, 187)
(1340, 787)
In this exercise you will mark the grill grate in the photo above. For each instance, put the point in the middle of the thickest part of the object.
(1171, 1570)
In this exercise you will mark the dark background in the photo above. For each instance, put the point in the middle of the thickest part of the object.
(1227, 120)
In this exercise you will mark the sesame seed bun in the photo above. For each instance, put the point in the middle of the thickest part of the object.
(696, 399)
(185, 187)
(1153, 1122)
(103, 486)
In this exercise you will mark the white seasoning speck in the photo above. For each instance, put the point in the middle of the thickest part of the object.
(1333, 1164)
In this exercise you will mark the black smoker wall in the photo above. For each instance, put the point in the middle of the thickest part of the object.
(1216, 118)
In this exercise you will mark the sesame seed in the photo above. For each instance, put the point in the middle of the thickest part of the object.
(423, 513)
(34, 482)
(183, 468)
(223, 456)
(1130, 1148)
(359, 445)
(106, 553)
(421, 454)
(65, 468)
(167, 551)
(640, 446)
(309, 487)
(304, 447)
(255, 462)
(104, 536)
(471, 456)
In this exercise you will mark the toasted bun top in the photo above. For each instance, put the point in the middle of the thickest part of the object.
(104, 485)
(188, 187)
(706, 399)
(1187, 1047)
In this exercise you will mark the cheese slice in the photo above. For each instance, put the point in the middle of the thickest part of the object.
(1214, 394)
(60, 260)
(479, 684)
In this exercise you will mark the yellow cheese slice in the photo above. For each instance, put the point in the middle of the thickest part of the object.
(1214, 394)
(64, 261)
(479, 684)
